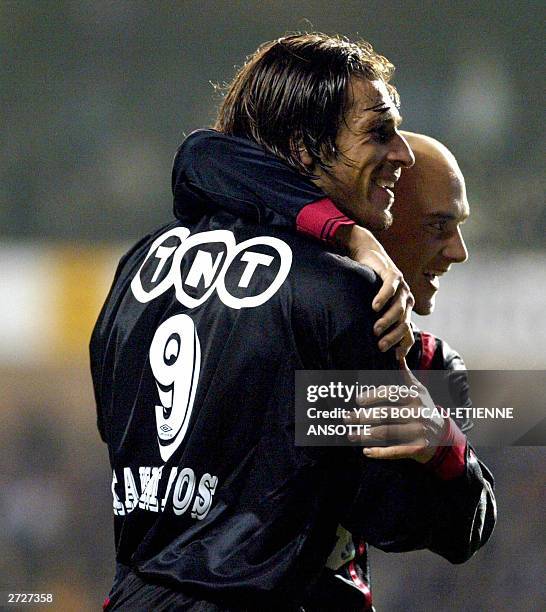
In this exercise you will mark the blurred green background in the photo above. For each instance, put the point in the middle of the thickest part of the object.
(96, 96)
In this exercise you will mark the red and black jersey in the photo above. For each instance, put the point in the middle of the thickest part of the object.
(432, 353)
(237, 172)
(193, 361)
(349, 587)
(237, 175)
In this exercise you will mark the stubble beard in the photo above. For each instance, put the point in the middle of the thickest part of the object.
(364, 215)
(376, 222)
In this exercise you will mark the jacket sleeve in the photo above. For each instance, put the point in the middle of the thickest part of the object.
(452, 363)
(432, 353)
(240, 177)
(447, 505)
(401, 506)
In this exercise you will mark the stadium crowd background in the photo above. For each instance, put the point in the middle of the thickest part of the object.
(96, 96)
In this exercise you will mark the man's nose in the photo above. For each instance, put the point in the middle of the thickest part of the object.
(400, 152)
(456, 250)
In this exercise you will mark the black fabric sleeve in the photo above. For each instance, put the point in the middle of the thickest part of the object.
(455, 391)
(452, 363)
(333, 309)
(401, 507)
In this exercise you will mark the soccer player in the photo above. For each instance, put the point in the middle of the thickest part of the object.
(424, 240)
(194, 354)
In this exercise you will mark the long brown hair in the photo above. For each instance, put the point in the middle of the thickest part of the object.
(293, 93)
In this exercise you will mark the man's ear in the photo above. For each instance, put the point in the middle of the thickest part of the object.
(303, 154)
(306, 158)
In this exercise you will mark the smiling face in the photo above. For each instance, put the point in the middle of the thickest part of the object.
(425, 237)
(371, 154)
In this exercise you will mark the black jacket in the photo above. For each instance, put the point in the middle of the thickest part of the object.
(236, 510)
(193, 359)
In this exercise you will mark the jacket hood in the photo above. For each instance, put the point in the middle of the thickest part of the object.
(189, 201)
(214, 171)
(207, 176)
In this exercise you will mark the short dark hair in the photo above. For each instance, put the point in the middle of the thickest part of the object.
(293, 93)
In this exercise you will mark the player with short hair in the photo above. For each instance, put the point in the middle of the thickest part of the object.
(424, 240)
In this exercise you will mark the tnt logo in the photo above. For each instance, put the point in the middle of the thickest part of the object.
(225, 267)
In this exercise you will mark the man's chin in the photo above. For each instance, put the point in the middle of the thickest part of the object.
(378, 221)
(424, 307)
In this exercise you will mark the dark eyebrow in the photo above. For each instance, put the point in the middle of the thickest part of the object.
(382, 120)
(448, 217)
(378, 108)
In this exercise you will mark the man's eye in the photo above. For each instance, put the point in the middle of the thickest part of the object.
(382, 136)
(439, 226)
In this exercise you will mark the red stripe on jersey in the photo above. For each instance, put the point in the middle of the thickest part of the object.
(449, 460)
(361, 585)
(361, 548)
(428, 348)
(321, 219)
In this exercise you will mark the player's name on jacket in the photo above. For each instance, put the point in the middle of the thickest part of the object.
(180, 494)
(224, 267)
